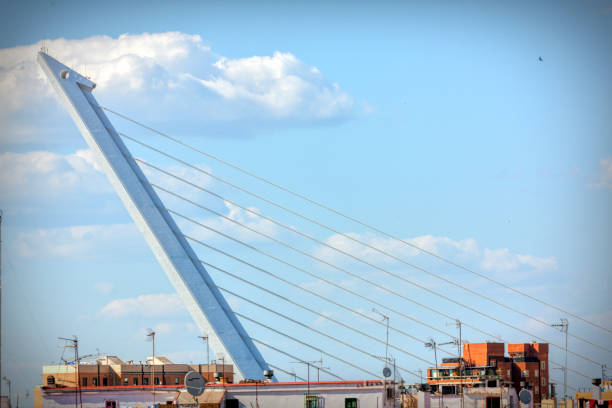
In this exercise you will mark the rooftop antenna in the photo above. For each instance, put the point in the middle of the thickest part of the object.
(74, 344)
(563, 326)
(385, 318)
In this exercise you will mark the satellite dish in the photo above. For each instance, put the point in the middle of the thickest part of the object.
(525, 396)
(194, 383)
(386, 372)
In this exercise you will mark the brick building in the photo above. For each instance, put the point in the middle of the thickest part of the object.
(486, 365)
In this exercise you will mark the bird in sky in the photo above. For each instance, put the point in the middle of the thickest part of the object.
(540, 59)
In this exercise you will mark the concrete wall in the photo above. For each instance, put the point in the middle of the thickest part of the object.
(472, 399)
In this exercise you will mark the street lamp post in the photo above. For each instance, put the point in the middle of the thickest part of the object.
(205, 338)
(151, 335)
(432, 345)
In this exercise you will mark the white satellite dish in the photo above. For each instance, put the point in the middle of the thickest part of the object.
(194, 383)
(386, 372)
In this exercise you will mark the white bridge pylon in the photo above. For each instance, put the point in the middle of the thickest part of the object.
(203, 299)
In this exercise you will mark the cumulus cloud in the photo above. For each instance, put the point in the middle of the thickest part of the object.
(280, 84)
(43, 173)
(78, 242)
(237, 214)
(177, 186)
(169, 74)
(466, 251)
(503, 260)
(152, 305)
(603, 180)
(430, 243)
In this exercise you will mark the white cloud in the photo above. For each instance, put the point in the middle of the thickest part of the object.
(603, 179)
(78, 242)
(504, 261)
(153, 305)
(237, 214)
(43, 173)
(177, 186)
(466, 251)
(281, 84)
(165, 75)
(398, 249)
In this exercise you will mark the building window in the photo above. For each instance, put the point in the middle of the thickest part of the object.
(135, 381)
(537, 390)
(537, 373)
(176, 380)
(156, 380)
(350, 403)
(543, 381)
(525, 373)
(126, 381)
(104, 382)
(145, 381)
(94, 381)
(85, 382)
(543, 365)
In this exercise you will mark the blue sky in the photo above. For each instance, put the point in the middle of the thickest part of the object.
(436, 122)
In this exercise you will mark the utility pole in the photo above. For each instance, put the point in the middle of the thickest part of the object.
(308, 364)
(432, 345)
(151, 334)
(563, 326)
(205, 338)
(460, 354)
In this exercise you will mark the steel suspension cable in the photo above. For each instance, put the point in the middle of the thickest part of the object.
(319, 332)
(284, 371)
(355, 220)
(347, 290)
(349, 255)
(333, 284)
(311, 274)
(322, 315)
(329, 300)
(344, 235)
(306, 344)
(296, 358)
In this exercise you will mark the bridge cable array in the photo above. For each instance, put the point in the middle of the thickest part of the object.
(355, 220)
(345, 253)
(358, 241)
(378, 250)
